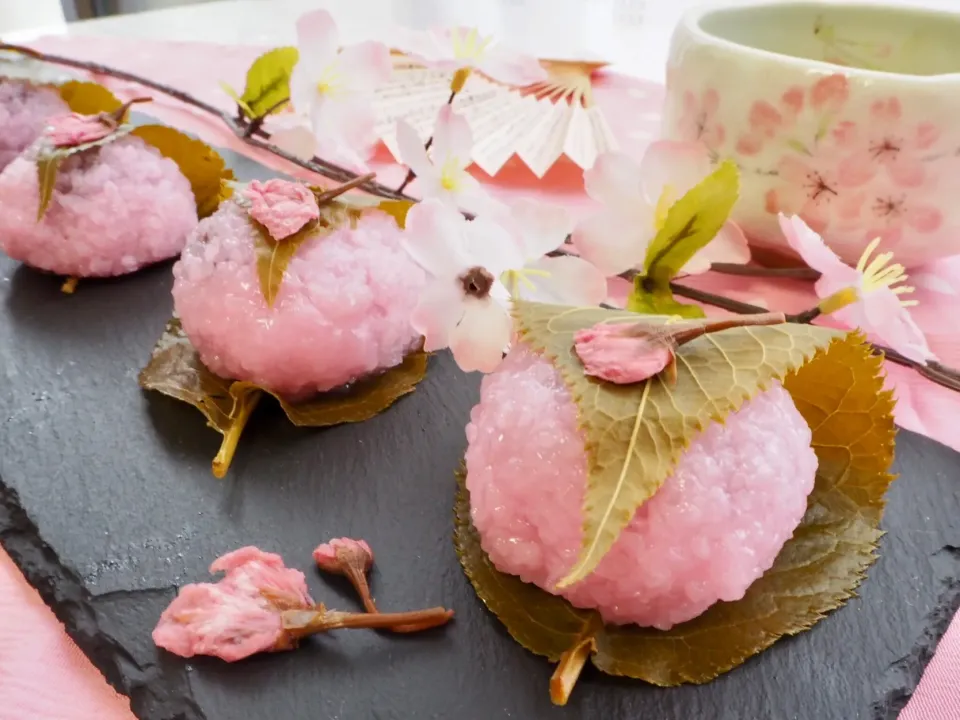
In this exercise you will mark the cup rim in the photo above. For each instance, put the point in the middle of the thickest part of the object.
(692, 19)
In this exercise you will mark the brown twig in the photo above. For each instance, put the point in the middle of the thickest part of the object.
(934, 371)
(759, 271)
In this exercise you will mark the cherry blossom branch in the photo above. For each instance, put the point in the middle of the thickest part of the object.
(933, 370)
(759, 271)
(259, 138)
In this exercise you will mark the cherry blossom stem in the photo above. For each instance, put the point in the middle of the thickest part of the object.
(568, 670)
(336, 192)
(431, 617)
(760, 271)
(426, 146)
(933, 371)
(938, 373)
(256, 123)
(224, 457)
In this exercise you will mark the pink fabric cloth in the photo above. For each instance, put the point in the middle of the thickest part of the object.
(43, 676)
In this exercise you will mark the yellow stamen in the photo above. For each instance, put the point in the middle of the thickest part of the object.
(666, 200)
(878, 273)
(450, 174)
(329, 82)
(512, 277)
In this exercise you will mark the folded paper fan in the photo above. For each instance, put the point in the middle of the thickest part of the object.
(538, 123)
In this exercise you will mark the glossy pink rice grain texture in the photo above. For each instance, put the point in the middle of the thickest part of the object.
(342, 312)
(715, 526)
(24, 111)
(114, 210)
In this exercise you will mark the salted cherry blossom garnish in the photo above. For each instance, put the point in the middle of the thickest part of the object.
(260, 606)
(281, 206)
(867, 296)
(461, 50)
(66, 131)
(636, 200)
(538, 229)
(442, 174)
(331, 89)
(626, 353)
(353, 559)
(463, 306)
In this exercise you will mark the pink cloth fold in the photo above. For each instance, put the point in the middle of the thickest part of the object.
(43, 676)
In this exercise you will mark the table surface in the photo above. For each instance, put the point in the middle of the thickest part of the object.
(633, 35)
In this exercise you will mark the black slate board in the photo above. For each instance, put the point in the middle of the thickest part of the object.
(107, 504)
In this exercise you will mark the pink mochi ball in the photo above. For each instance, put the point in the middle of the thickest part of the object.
(24, 111)
(715, 526)
(342, 312)
(113, 210)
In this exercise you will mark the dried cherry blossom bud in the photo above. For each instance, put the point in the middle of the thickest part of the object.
(353, 559)
(619, 355)
(334, 555)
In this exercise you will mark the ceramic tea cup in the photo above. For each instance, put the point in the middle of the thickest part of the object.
(845, 114)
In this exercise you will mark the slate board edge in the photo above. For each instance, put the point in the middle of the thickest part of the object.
(154, 695)
(911, 667)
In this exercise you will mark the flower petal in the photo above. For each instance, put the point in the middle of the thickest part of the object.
(318, 41)
(568, 281)
(297, 140)
(452, 139)
(412, 152)
(438, 312)
(728, 246)
(479, 340)
(365, 66)
(613, 241)
(434, 238)
(810, 246)
(677, 165)
(615, 180)
(539, 227)
(511, 68)
(491, 246)
(893, 324)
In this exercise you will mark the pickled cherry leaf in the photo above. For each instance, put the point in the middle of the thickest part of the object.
(274, 256)
(363, 400)
(636, 433)
(88, 98)
(198, 162)
(175, 370)
(49, 159)
(840, 394)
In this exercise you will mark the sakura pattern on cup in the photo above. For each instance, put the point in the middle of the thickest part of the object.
(851, 176)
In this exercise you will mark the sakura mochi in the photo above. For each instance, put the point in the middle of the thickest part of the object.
(25, 109)
(111, 203)
(713, 528)
(338, 311)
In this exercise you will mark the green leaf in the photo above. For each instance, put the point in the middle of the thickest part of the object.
(692, 222)
(660, 301)
(268, 81)
(235, 96)
(175, 370)
(88, 98)
(199, 163)
(636, 433)
(840, 394)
